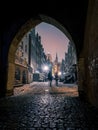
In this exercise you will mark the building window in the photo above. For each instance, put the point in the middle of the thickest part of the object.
(17, 74)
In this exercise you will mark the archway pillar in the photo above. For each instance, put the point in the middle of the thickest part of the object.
(11, 78)
(81, 76)
(91, 53)
(11, 71)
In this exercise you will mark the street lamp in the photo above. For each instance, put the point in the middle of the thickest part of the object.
(59, 73)
(45, 68)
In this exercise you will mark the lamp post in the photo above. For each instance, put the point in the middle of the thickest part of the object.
(45, 69)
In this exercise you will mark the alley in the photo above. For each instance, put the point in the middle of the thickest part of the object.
(40, 107)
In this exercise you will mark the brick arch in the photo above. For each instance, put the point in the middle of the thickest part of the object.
(16, 40)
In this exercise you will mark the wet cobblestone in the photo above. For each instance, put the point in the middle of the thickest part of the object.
(46, 112)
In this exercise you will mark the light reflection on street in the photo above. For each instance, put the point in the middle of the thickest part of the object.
(46, 99)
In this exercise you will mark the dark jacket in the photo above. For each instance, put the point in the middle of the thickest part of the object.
(56, 76)
(49, 76)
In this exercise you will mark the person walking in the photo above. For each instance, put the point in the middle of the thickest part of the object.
(50, 78)
(56, 78)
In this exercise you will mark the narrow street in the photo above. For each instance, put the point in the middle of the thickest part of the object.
(40, 107)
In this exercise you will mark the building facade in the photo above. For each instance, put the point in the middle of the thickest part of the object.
(29, 58)
(70, 57)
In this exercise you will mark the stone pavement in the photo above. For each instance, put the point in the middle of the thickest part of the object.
(34, 108)
(43, 87)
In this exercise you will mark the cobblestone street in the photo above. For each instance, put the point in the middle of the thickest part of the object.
(39, 107)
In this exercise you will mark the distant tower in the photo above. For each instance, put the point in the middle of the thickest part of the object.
(49, 57)
(56, 65)
(56, 59)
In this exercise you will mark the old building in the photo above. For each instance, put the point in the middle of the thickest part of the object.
(29, 58)
(70, 56)
(21, 61)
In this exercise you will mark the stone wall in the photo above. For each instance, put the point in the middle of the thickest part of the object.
(91, 53)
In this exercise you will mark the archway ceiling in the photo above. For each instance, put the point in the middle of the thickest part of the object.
(71, 14)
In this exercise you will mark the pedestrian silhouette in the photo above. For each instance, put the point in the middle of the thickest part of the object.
(50, 78)
(56, 78)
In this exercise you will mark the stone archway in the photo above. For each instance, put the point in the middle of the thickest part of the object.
(14, 44)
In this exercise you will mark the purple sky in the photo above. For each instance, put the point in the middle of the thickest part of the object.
(53, 40)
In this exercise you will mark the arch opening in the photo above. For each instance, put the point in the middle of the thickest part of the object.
(15, 44)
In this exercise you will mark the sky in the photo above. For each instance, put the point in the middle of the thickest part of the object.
(53, 40)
